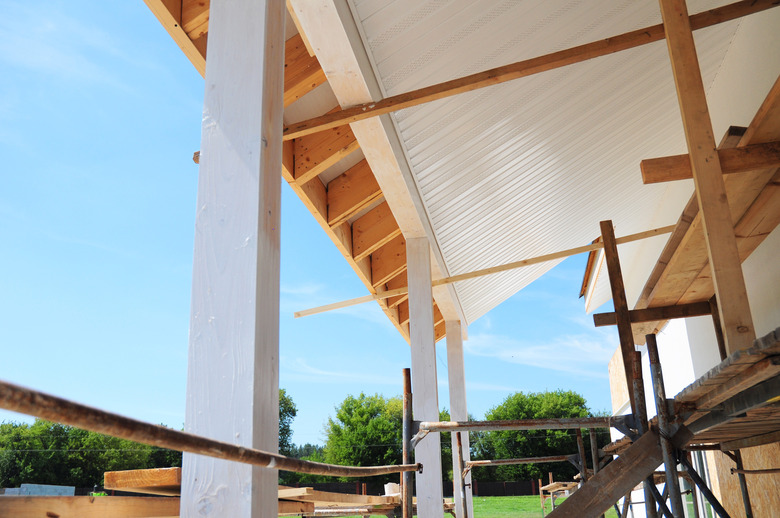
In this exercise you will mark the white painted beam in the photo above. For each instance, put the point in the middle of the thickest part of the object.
(458, 412)
(232, 379)
(330, 28)
(425, 403)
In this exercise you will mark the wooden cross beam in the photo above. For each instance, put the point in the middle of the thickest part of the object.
(636, 316)
(736, 160)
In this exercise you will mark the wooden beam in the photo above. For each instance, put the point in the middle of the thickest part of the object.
(302, 72)
(737, 160)
(290, 508)
(708, 177)
(695, 309)
(235, 287)
(158, 481)
(315, 153)
(389, 261)
(297, 24)
(169, 14)
(195, 17)
(372, 230)
(621, 305)
(425, 402)
(520, 69)
(486, 271)
(88, 507)
(397, 284)
(750, 442)
(618, 478)
(351, 192)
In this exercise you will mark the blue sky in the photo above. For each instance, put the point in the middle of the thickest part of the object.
(99, 117)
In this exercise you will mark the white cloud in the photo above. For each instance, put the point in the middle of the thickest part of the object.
(581, 355)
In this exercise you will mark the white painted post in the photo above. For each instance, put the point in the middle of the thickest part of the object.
(425, 403)
(233, 378)
(458, 411)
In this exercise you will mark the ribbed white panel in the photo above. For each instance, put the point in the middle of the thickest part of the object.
(530, 167)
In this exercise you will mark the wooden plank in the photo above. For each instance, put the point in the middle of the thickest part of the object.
(351, 192)
(753, 375)
(398, 282)
(610, 484)
(195, 17)
(88, 507)
(290, 508)
(737, 160)
(307, 494)
(168, 13)
(235, 287)
(158, 481)
(622, 316)
(517, 70)
(315, 153)
(654, 314)
(302, 71)
(750, 442)
(389, 261)
(708, 178)
(424, 381)
(373, 230)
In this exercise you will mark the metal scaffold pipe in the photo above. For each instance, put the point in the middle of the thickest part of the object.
(52, 408)
(520, 424)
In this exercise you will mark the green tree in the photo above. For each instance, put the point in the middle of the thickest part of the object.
(508, 444)
(287, 412)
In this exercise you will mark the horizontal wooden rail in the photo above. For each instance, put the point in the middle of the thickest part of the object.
(571, 423)
(520, 69)
(487, 271)
(509, 462)
(52, 408)
(694, 309)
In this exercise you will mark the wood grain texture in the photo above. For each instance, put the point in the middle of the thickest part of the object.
(88, 507)
(736, 160)
(232, 380)
(158, 481)
(316, 153)
(169, 13)
(456, 376)
(425, 402)
(708, 177)
(373, 230)
(351, 192)
(302, 71)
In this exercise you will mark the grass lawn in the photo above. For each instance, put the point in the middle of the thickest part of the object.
(514, 507)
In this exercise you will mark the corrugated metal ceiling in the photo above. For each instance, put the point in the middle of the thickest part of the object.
(529, 167)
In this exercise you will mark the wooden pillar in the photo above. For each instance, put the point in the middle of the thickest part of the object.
(458, 410)
(232, 379)
(425, 403)
(708, 177)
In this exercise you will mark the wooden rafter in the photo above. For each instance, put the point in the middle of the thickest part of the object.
(707, 174)
(195, 18)
(302, 72)
(315, 153)
(388, 261)
(351, 192)
(373, 230)
(520, 69)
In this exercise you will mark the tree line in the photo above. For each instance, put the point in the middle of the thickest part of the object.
(365, 431)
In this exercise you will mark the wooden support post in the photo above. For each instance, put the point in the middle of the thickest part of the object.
(583, 458)
(458, 410)
(426, 399)
(594, 452)
(232, 380)
(621, 305)
(708, 177)
(641, 417)
(407, 508)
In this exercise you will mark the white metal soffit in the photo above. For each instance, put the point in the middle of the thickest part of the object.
(531, 166)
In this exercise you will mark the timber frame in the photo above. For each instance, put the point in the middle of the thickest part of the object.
(336, 152)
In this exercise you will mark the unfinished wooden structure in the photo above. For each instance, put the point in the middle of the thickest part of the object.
(453, 152)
